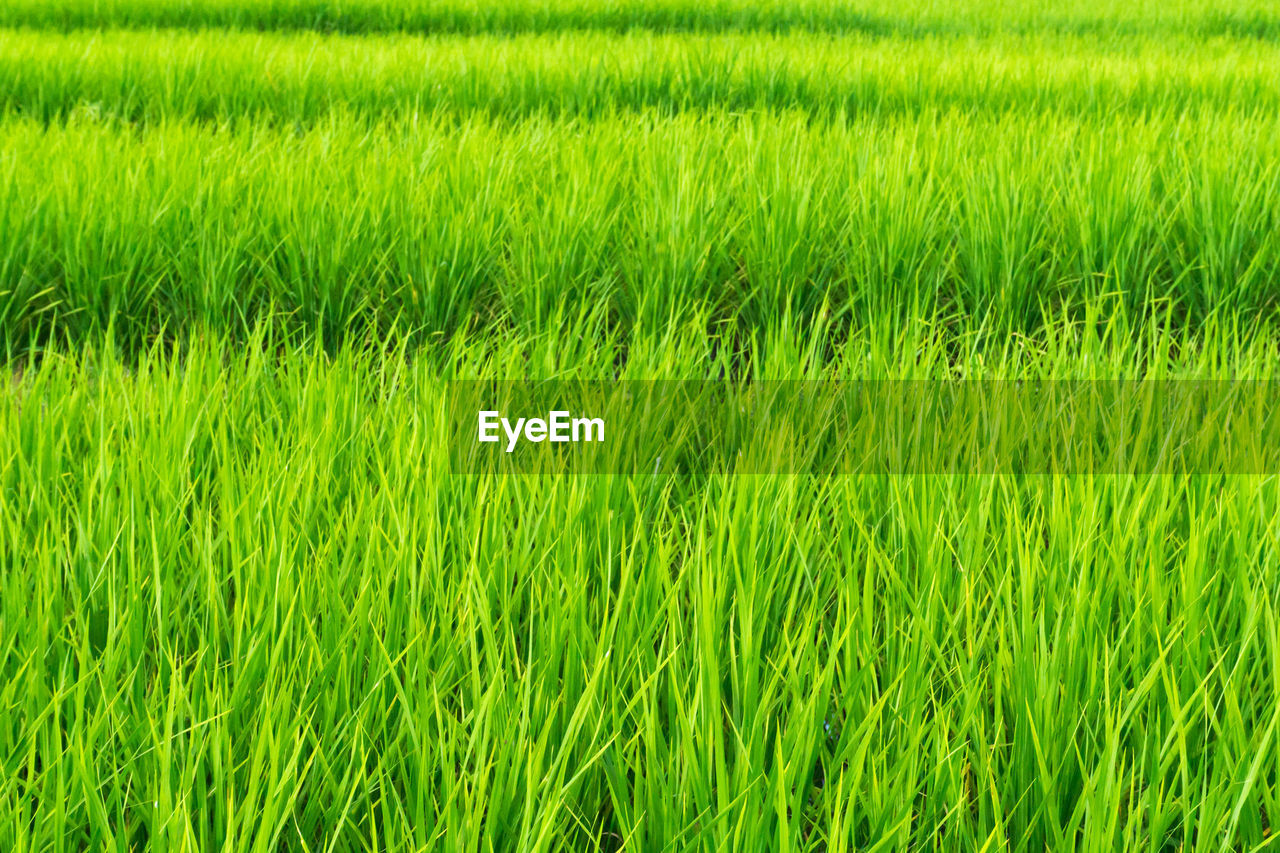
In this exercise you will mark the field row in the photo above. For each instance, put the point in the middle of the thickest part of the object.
(435, 224)
(221, 76)
(248, 574)
(1238, 18)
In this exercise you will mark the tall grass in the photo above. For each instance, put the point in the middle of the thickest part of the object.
(248, 607)
(1102, 18)
(245, 605)
(300, 78)
(435, 224)
(224, 76)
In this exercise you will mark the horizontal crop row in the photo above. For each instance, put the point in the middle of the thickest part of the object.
(436, 225)
(302, 77)
(250, 573)
(1247, 18)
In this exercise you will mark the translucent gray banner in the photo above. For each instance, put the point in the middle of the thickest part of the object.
(865, 427)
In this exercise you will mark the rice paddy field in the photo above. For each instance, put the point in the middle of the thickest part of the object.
(248, 602)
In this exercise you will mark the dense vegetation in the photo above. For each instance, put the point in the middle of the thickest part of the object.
(246, 605)
(1205, 18)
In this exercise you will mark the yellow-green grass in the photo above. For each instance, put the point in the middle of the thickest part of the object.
(245, 604)
(909, 18)
(270, 77)
(431, 224)
(357, 183)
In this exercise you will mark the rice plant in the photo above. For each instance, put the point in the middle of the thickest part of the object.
(249, 602)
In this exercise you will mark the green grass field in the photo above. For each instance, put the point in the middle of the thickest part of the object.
(246, 603)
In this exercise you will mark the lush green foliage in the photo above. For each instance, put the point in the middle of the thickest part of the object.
(244, 605)
(270, 78)
(254, 609)
(909, 18)
(428, 225)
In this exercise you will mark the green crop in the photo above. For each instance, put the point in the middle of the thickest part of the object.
(283, 79)
(247, 603)
(432, 224)
(249, 607)
(1237, 18)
